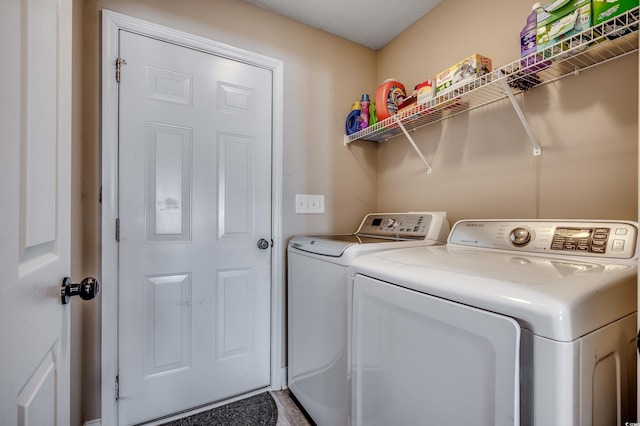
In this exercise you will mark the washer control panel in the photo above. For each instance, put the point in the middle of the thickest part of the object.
(394, 225)
(610, 239)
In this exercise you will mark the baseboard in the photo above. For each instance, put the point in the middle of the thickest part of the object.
(97, 422)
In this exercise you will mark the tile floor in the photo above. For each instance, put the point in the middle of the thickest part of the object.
(288, 412)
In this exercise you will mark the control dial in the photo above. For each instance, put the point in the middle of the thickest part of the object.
(391, 222)
(520, 237)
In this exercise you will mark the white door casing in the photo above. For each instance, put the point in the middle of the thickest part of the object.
(112, 24)
(35, 183)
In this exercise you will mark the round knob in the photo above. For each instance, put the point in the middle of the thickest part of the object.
(87, 289)
(520, 237)
(263, 244)
(391, 222)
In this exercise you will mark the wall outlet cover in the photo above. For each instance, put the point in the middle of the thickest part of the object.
(309, 204)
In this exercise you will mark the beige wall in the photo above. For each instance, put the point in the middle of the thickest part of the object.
(482, 162)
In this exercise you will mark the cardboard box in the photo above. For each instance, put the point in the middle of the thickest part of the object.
(555, 10)
(463, 72)
(407, 103)
(564, 28)
(425, 90)
(603, 10)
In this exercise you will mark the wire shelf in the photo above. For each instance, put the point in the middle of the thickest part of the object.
(599, 44)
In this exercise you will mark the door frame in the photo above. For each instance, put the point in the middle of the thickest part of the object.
(112, 22)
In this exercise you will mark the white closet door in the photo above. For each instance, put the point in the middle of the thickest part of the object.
(35, 184)
(194, 198)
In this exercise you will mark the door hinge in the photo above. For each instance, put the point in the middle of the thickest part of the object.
(118, 229)
(119, 63)
(116, 388)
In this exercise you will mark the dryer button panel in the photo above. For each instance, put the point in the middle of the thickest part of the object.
(609, 239)
(581, 239)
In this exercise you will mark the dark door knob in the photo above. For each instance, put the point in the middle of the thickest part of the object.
(263, 244)
(87, 289)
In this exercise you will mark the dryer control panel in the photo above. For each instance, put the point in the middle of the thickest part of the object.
(607, 239)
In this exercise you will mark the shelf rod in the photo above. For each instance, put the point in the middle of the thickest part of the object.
(536, 147)
(415, 147)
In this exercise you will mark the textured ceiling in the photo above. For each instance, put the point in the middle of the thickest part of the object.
(371, 23)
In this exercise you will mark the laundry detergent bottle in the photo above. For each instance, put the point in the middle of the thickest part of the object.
(528, 33)
(528, 47)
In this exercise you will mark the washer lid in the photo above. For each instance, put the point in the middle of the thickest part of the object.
(425, 227)
(558, 298)
(327, 245)
(334, 245)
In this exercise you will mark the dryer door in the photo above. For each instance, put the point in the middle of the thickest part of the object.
(418, 359)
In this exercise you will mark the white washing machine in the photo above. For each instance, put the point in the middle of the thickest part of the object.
(318, 300)
(511, 323)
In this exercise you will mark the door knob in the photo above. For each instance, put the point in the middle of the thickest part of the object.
(87, 289)
(263, 244)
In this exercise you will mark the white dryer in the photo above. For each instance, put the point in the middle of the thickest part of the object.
(318, 303)
(511, 323)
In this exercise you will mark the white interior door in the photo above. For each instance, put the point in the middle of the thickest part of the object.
(194, 199)
(35, 162)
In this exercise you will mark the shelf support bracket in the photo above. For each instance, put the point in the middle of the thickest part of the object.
(536, 147)
(415, 147)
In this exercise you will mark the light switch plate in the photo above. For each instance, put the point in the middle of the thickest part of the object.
(309, 203)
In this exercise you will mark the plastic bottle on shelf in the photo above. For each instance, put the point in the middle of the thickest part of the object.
(388, 96)
(531, 61)
(373, 114)
(528, 33)
(364, 111)
(352, 125)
